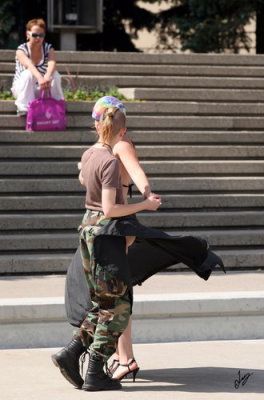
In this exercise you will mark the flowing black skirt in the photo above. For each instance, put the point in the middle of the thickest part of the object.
(152, 251)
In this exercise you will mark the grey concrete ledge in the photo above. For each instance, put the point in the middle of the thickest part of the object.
(159, 58)
(171, 108)
(145, 306)
(183, 152)
(149, 69)
(161, 184)
(194, 94)
(168, 167)
(157, 318)
(13, 264)
(103, 81)
(179, 201)
(237, 237)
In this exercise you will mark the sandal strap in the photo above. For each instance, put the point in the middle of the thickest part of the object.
(128, 364)
(112, 368)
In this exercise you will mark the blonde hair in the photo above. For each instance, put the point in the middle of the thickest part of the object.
(111, 121)
(36, 21)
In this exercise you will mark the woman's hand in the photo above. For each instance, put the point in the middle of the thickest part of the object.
(44, 83)
(152, 203)
(157, 196)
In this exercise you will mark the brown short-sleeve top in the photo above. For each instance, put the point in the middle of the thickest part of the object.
(100, 169)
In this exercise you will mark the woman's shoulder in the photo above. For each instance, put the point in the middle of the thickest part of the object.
(101, 158)
(48, 46)
(86, 154)
(124, 144)
(23, 47)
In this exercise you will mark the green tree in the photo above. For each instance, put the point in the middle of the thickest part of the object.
(211, 26)
(14, 15)
(7, 21)
(259, 7)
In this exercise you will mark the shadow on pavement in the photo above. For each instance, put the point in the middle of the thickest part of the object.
(199, 379)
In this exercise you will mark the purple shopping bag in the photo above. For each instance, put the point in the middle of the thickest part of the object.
(46, 114)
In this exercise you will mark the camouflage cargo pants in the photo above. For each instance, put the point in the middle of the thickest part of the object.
(111, 309)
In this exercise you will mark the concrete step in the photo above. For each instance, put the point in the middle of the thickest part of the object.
(156, 122)
(65, 220)
(87, 136)
(159, 184)
(42, 320)
(58, 262)
(233, 303)
(144, 152)
(194, 201)
(27, 263)
(39, 242)
(87, 68)
(194, 94)
(165, 167)
(142, 81)
(10, 241)
(204, 167)
(170, 108)
(105, 57)
(208, 201)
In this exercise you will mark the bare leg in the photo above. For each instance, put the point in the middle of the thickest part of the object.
(125, 349)
(125, 352)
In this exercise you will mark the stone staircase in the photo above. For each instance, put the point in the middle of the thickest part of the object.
(199, 132)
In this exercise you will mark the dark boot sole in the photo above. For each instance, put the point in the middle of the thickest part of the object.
(64, 372)
(91, 388)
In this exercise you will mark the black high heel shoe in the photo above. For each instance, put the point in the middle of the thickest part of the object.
(130, 371)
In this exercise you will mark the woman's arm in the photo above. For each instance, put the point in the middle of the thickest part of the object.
(111, 209)
(81, 180)
(127, 155)
(26, 61)
(51, 65)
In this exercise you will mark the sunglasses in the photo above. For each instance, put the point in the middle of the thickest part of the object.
(35, 35)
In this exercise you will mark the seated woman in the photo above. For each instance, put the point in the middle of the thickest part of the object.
(35, 68)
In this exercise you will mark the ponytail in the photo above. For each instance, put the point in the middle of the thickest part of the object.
(111, 121)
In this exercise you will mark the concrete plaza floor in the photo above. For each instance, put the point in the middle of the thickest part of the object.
(205, 370)
(168, 371)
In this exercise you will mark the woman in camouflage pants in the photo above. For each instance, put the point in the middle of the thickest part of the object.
(107, 279)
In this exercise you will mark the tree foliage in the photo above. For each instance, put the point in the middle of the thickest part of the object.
(198, 25)
(7, 20)
(207, 26)
(14, 15)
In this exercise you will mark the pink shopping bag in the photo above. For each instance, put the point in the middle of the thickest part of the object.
(46, 114)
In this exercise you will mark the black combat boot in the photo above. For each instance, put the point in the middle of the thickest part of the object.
(96, 379)
(67, 360)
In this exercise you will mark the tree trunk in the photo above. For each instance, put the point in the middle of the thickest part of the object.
(260, 28)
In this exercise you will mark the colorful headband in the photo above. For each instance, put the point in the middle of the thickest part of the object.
(105, 102)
